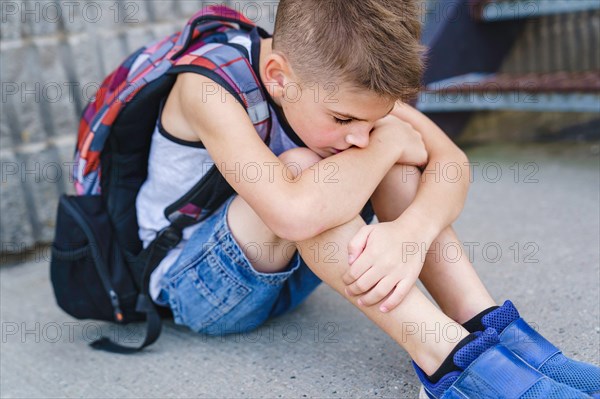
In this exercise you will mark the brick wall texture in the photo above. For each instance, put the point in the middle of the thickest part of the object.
(55, 53)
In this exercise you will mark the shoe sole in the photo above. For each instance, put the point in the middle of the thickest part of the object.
(422, 394)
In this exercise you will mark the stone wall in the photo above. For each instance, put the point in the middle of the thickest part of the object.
(53, 57)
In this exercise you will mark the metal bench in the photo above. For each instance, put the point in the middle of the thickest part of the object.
(468, 40)
(556, 92)
(498, 10)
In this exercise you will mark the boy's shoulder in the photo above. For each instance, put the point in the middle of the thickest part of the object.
(196, 103)
(216, 81)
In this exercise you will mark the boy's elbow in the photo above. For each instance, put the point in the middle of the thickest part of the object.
(290, 231)
(466, 166)
(462, 157)
(294, 233)
(299, 223)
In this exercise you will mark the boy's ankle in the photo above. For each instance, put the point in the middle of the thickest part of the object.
(474, 323)
(448, 364)
(469, 309)
(442, 347)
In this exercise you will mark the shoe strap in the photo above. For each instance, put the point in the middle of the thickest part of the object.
(527, 343)
(496, 373)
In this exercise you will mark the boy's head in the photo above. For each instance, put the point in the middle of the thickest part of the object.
(333, 58)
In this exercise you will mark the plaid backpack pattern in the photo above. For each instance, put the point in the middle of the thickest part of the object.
(151, 62)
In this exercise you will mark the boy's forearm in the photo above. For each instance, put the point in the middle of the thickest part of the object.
(444, 182)
(336, 188)
(441, 194)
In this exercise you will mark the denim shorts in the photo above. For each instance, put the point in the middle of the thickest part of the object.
(213, 289)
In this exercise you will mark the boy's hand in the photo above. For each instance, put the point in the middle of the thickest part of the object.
(411, 142)
(385, 261)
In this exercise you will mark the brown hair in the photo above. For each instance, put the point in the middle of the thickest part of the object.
(368, 44)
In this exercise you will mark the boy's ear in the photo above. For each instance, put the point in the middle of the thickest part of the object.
(277, 72)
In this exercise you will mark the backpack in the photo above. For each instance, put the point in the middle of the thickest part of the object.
(99, 268)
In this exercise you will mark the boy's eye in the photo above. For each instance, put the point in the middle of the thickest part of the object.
(342, 121)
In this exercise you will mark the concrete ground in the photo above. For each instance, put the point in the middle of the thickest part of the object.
(531, 221)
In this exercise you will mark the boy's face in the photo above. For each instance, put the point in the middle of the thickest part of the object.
(327, 116)
(330, 118)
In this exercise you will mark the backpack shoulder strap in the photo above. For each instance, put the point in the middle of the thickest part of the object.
(229, 66)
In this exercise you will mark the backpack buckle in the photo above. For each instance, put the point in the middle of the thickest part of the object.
(168, 238)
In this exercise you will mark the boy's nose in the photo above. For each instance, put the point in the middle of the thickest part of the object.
(359, 138)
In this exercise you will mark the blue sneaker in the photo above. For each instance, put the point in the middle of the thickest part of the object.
(490, 370)
(538, 352)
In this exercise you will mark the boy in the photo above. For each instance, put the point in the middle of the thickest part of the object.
(343, 143)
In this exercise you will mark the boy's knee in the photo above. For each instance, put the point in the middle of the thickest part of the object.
(406, 176)
(411, 177)
(299, 159)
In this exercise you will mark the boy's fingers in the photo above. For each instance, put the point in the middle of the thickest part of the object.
(379, 292)
(364, 283)
(357, 244)
(396, 296)
(357, 269)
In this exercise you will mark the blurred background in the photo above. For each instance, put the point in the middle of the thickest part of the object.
(516, 84)
(499, 71)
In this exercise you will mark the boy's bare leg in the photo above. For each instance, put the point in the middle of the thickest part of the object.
(454, 284)
(427, 334)
(266, 252)
(417, 325)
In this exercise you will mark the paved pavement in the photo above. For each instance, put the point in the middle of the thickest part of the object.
(532, 221)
